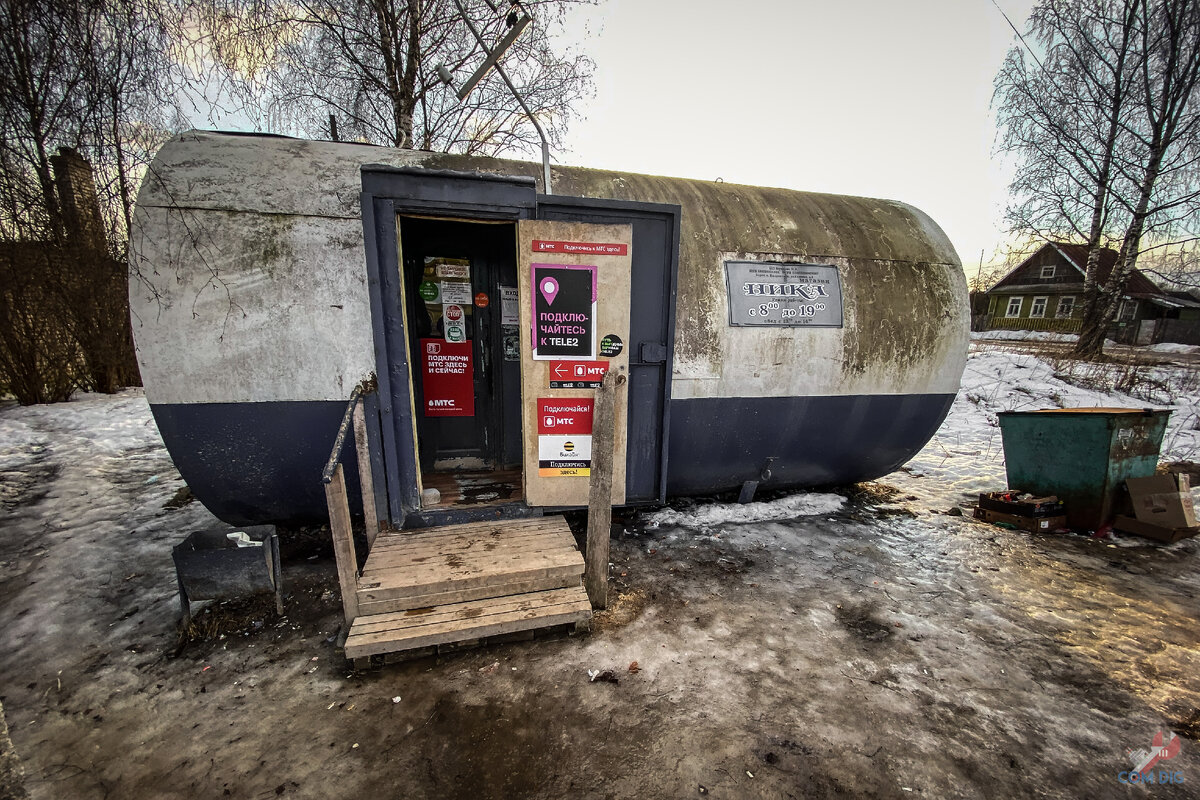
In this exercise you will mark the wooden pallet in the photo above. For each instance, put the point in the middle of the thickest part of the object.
(465, 582)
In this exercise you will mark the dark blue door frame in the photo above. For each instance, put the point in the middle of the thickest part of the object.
(389, 192)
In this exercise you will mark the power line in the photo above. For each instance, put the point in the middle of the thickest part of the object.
(1024, 44)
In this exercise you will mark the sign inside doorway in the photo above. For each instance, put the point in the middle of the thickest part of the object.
(564, 311)
(445, 290)
(447, 379)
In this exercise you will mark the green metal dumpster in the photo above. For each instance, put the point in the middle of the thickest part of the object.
(1083, 455)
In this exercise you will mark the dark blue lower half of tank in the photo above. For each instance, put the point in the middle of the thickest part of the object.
(261, 462)
(718, 443)
(252, 463)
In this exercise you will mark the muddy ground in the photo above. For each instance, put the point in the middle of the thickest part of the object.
(880, 649)
(871, 652)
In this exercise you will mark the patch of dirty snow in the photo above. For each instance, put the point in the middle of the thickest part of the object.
(703, 516)
(20, 444)
(82, 497)
(1173, 347)
(1024, 336)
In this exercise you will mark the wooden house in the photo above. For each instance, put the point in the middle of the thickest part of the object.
(1045, 293)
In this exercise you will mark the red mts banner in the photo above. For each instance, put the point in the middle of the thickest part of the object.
(563, 415)
(447, 378)
(584, 248)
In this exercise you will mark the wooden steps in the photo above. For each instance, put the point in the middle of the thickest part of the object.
(456, 622)
(464, 582)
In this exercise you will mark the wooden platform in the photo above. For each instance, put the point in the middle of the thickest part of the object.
(463, 582)
(475, 488)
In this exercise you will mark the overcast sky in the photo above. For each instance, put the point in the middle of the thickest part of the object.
(880, 98)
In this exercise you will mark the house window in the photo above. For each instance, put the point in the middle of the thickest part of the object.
(1038, 309)
(1014, 307)
(1128, 310)
(1048, 272)
(1066, 305)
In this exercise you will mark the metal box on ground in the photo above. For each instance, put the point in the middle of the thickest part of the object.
(224, 563)
(1081, 455)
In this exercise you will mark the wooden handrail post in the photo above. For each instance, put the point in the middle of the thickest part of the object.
(343, 543)
(599, 529)
(363, 448)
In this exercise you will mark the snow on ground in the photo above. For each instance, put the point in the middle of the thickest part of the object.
(1173, 347)
(1024, 336)
(810, 641)
(90, 477)
(707, 515)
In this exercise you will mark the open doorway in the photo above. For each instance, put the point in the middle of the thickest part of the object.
(460, 282)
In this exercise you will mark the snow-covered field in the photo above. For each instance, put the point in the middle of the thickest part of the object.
(1023, 336)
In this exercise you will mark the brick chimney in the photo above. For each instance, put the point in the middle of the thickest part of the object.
(77, 195)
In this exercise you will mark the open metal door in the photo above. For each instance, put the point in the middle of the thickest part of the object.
(388, 193)
(650, 345)
(573, 282)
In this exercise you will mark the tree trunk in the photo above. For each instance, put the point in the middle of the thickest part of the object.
(408, 80)
(391, 68)
(122, 174)
(1104, 310)
(1093, 327)
(46, 183)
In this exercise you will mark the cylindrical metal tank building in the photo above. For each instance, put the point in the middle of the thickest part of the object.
(785, 337)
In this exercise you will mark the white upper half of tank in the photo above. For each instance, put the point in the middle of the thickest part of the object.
(248, 277)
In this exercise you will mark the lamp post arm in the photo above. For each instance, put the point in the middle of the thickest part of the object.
(520, 100)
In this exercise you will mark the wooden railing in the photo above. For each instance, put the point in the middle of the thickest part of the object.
(338, 503)
(1055, 324)
(599, 530)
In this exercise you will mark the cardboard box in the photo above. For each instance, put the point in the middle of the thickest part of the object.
(1152, 531)
(1031, 524)
(1163, 500)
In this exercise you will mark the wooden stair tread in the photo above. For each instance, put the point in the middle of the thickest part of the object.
(392, 632)
(469, 555)
(490, 530)
(468, 562)
(443, 568)
(469, 547)
(387, 601)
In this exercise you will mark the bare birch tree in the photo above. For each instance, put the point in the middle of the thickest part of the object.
(1099, 109)
(373, 65)
(1161, 163)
